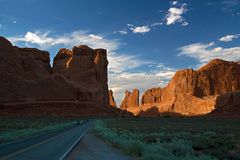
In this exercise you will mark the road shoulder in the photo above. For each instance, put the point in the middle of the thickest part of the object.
(93, 148)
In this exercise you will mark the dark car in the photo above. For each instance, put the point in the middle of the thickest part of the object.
(78, 123)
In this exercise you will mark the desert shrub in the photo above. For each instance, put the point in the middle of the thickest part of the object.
(13, 129)
(179, 147)
(136, 144)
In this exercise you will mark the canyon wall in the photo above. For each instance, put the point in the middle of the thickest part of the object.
(192, 92)
(78, 78)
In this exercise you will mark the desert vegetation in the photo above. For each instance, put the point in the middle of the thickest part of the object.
(15, 128)
(172, 138)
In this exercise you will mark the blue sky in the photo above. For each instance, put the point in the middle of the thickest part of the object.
(147, 40)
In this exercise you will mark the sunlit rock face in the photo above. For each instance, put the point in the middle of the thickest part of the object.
(131, 101)
(112, 102)
(78, 75)
(193, 92)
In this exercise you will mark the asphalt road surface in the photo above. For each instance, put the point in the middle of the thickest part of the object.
(52, 146)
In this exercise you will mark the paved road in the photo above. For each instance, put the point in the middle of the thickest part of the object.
(46, 147)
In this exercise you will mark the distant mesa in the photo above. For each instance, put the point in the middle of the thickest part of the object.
(192, 93)
(76, 84)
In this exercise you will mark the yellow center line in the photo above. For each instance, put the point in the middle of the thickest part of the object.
(32, 146)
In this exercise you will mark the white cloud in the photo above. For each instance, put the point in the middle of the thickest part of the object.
(140, 29)
(130, 25)
(175, 14)
(96, 37)
(229, 38)
(35, 38)
(174, 2)
(45, 41)
(184, 23)
(206, 52)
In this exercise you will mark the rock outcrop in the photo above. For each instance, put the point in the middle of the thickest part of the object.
(131, 101)
(227, 105)
(152, 96)
(78, 78)
(112, 102)
(86, 69)
(193, 92)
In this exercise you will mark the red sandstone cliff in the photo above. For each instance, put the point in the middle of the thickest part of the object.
(78, 80)
(193, 92)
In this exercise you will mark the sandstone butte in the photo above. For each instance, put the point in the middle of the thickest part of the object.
(214, 88)
(76, 84)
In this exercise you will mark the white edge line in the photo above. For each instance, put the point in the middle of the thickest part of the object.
(74, 144)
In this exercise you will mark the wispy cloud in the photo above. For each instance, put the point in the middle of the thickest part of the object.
(230, 5)
(123, 62)
(229, 38)
(141, 80)
(206, 52)
(121, 32)
(156, 24)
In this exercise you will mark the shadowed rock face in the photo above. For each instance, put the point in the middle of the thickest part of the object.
(86, 70)
(79, 75)
(193, 92)
(227, 105)
(112, 102)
